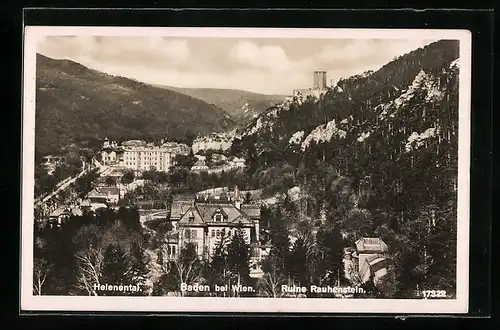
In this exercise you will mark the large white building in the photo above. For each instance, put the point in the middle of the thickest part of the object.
(148, 158)
(214, 141)
(141, 156)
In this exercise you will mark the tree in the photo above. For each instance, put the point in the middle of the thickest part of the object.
(330, 249)
(41, 269)
(105, 217)
(280, 242)
(186, 161)
(218, 270)
(44, 183)
(129, 216)
(115, 265)
(128, 177)
(138, 264)
(89, 263)
(238, 257)
(110, 181)
(83, 184)
(248, 198)
(187, 265)
(269, 285)
(236, 148)
(178, 175)
(387, 284)
(300, 262)
(41, 266)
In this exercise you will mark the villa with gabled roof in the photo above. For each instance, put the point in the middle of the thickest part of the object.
(204, 222)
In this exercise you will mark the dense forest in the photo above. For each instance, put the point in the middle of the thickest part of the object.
(377, 154)
(75, 103)
(103, 247)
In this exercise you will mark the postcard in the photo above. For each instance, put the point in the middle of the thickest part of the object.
(245, 170)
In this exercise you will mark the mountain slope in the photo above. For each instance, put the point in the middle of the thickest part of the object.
(74, 102)
(240, 105)
(359, 102)
(378, 155)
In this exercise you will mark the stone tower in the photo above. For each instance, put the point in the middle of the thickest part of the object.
(319, 80)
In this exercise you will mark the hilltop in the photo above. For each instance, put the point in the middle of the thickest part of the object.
(241, 105)
(376, 156)
(75, 103)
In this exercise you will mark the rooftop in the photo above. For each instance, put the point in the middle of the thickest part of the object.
(179, 208)
(251, 210)
(104, 191)
(201, 213)
(206, 210)
(371, 245)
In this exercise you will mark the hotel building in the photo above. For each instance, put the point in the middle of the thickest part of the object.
(140, 156)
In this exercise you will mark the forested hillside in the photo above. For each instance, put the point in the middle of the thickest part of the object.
(376, 156)
(75, 103)
(242, 106)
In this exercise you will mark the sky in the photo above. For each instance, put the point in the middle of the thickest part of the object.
(261, 65)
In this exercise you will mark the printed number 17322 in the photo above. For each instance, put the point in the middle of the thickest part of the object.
(434, 294)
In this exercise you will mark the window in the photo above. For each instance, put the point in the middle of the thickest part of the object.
(218, 218)
(193, 234)
(187, 233)
(213, 233)
(218, 233)
(172, 251)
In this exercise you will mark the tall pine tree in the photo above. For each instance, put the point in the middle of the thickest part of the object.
(238, 257)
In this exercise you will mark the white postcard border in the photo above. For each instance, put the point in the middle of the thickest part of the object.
(29, 302)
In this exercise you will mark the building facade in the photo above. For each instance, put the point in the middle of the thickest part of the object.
(371, 258)
(319, 87)
(215, 141)
(109, 195)
(140, 156)
(205, 222)
(367, 261)
(319, 80)
(148, 158)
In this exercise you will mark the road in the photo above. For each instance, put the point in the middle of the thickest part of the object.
(66, 183)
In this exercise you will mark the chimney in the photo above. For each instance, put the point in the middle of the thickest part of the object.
(236, 192)
(237, 199)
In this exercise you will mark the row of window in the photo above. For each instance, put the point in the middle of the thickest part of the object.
(172, 251)
(153, 153)
(144, 164)
(217, 233)
(192, 234)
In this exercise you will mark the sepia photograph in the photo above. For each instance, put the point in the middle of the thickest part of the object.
(245, 170)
